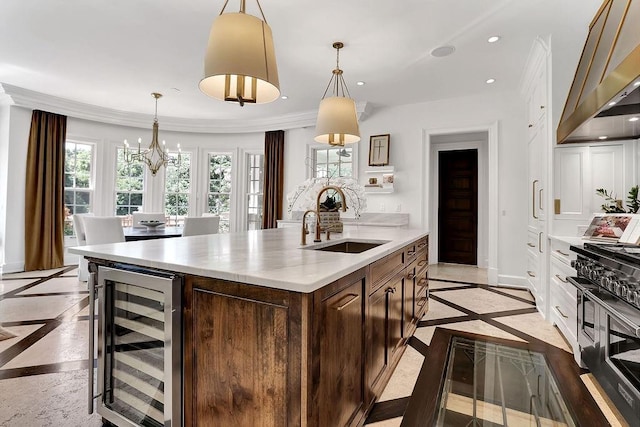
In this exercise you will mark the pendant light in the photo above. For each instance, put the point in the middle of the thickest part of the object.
(337, 122)
(240, 61)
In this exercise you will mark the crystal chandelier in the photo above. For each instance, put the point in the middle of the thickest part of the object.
(240, 61)
(156, 155)
(337, 122)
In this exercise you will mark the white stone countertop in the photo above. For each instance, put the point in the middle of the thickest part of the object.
(272, 258)
(571, 240)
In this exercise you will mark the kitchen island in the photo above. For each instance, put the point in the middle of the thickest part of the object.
(277, 334)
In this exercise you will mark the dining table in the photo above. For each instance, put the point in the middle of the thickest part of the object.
(147, 233)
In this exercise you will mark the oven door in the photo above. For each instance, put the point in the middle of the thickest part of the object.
(622, 366)
(587, 322)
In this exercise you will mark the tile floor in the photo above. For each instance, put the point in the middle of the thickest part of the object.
(43, 369)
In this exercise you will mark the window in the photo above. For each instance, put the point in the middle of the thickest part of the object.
(177, 188)
(333, 162)
(219, 188)
(129, 185)
(78, 181)
(255, 182)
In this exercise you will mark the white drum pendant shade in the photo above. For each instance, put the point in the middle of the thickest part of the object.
(240, 47)
(337, 122)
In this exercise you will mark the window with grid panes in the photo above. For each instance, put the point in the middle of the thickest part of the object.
(177, 188)
(129, 185)
(333, 162)
(78, 182)
(219, 188)
(255, 196)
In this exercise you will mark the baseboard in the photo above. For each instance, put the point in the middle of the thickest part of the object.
(492, 276)
(14, 267)
(516, 281)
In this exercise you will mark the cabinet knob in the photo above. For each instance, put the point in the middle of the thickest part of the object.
(542, 107)
(530, 125)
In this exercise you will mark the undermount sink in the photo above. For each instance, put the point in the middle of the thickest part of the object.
(348, 246)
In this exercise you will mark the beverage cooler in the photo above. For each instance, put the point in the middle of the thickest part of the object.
(139, 346)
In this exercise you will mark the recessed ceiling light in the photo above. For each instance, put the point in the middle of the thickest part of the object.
(360, 83)
(637, 83)
(489, 81)
(493, 39)
(634, 119)
(441, 51)
(612, 103)
(284, 97)
(602, 137)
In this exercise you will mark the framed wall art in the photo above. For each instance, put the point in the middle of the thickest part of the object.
(379, 150)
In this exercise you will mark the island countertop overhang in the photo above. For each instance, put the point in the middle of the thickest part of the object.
(272, 258)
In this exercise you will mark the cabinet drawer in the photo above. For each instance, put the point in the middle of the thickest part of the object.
(559, 273)
(561, 252)
(564, 307)
(383, 269)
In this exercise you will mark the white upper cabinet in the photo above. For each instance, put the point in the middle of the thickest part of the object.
(580, 170)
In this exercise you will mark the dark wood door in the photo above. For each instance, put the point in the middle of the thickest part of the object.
(458, 207)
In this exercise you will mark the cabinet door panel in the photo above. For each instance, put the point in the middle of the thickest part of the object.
(394, 293)
(570, 181)
(234, 339)
(341, 340)
(607, 171)
(377, 360)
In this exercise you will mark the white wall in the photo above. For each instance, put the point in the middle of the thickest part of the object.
(4, 169)
(407, 125)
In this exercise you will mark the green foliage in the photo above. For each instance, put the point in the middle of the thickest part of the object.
(612, 205)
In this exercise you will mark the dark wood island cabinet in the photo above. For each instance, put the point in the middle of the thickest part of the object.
(252, 329)
(258, 356)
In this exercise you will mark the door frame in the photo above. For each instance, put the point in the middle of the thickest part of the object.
(487, 191)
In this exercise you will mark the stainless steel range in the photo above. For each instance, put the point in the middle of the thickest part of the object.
(608, 284)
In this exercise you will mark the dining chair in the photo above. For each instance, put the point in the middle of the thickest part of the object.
(78, 228)
(144, 216)
(194, 226)
(103, 229)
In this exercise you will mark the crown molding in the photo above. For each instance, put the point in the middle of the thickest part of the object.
(35, 100)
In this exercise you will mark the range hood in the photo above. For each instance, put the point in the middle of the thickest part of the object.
(605, 93)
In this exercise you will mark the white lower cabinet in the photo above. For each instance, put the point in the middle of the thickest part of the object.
(563, 295)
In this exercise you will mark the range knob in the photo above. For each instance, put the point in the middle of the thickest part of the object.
(595, 273)
(606, 280)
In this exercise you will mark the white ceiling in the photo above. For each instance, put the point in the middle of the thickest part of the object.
(114, 53)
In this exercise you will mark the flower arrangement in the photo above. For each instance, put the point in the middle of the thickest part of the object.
(305, 194)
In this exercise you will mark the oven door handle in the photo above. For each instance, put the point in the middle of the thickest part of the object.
(92, 345)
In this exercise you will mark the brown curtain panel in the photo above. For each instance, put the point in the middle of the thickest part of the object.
(273, 178)
(44, 201)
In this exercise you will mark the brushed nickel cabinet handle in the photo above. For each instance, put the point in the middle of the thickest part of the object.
(423, 282)
(561, 253)
(540, 242)
(422, 262)
(540, 199)
(422, 245)
(354, 297)
(561, 313)
(533, 198)
(410, 276)
(531, 245)
(424, 301)
(411, 253)
(531, 273)
(391, 290)
(561, 279)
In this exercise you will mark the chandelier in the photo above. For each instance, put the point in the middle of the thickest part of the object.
(337, 122)
(240, 61)
(155, 156)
